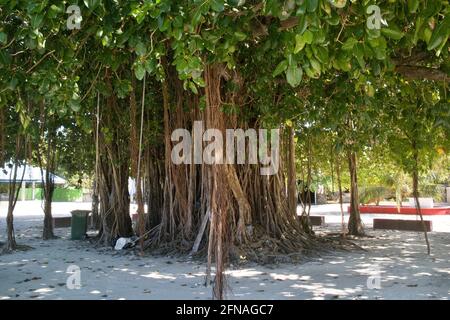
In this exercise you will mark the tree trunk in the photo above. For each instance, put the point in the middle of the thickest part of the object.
(48, 219)
(11, 239)
(355, 226)
(154, 188)
(114, 171)
(341, 200)
(135, 152)
(95, 222)
(2, 136)
(416, 194)
(13, 195)
(220, 191)
(243, 205)
(95, 204)
(49, 188)
(292, 181)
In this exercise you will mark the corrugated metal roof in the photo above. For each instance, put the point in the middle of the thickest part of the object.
(32, 174)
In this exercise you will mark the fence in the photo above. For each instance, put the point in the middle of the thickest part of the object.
(59, 195)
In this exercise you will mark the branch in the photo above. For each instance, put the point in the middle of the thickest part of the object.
(421, 73)
(288, 23)
(40, 60)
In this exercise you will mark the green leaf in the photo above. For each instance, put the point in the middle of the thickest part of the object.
(440, 34)
(217, 5)
(338, 3)
(315, 65)
(392, 33)
(36, 21)
(413, 5)
(311, 5)
(299, 43)
(294, 75)
(358, 52)
(240, 35)
(349, 44)
(308, 36)
(197, 17)
(302, 24)
(280, 68)
(74, 105)
(91, 4)
(149, 66)
(193, 87)
(140, 49)
(13, 84)
(177, 33)
(5, 58)
(139, 71)
(322, 54)
(163, 23)
(3, 37)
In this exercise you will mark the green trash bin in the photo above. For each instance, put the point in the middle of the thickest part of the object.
(79, 224)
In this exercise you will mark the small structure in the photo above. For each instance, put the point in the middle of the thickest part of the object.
(448, 194)
(31, 177)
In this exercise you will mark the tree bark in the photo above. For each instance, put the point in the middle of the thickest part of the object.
(48, 219)
(136, 147)
(2, 136)
(341, 200)
(95, 222)
(355, 226)
(95, 203)
(416, 194)
(114, 172)
(292, 181)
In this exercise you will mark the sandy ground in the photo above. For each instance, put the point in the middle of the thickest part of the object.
(398, 259)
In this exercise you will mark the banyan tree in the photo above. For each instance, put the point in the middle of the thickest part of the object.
(133, 72)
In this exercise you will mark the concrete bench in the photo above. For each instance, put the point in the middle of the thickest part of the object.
(315, 220)
(403, 225)
(62, 222)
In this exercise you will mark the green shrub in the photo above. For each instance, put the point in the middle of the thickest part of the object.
(373, 194)
(59, 195)
(435, 191)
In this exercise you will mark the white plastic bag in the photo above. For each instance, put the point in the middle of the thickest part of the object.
(121, 243)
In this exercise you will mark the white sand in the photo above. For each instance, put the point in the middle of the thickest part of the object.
(406, 272)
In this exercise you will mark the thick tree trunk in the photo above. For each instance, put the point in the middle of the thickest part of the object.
(95, 222)
(154, 189)
(135, 152)
(355, 226)
(292, 180)
(114, 169)
(47, 233)
(11, 239)
(341, 200)
(49, 188)
(13, 195)
(242, 205)
(220, 191)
